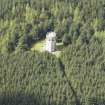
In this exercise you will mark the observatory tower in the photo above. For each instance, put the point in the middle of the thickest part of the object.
(50, 45)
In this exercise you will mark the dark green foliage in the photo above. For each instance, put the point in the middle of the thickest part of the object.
(84, 68)
(35, 18)
(33, 79)
(42, 79)
(66, 40)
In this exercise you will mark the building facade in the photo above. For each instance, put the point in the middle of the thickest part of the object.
(50, 44)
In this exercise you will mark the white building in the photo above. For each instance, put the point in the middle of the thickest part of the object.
(50, 44)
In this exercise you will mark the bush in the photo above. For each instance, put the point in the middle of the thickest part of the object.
(66, 40)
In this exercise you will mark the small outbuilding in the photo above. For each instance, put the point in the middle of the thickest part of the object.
(50, 44)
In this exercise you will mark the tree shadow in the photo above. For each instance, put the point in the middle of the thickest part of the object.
(24, 99)
(77, 101)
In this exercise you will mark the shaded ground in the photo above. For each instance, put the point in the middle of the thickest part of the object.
(24, 99)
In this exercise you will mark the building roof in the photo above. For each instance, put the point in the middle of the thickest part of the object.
(51, 35)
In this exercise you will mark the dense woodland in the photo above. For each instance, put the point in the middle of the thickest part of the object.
(28, 77)
(24, 22)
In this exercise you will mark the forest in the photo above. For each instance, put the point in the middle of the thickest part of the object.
(76, 77)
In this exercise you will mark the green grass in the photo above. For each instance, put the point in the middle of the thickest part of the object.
(57, 53)
(100, 34)
(39, 46)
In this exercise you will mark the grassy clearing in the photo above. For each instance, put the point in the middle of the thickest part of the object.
(39, 46)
